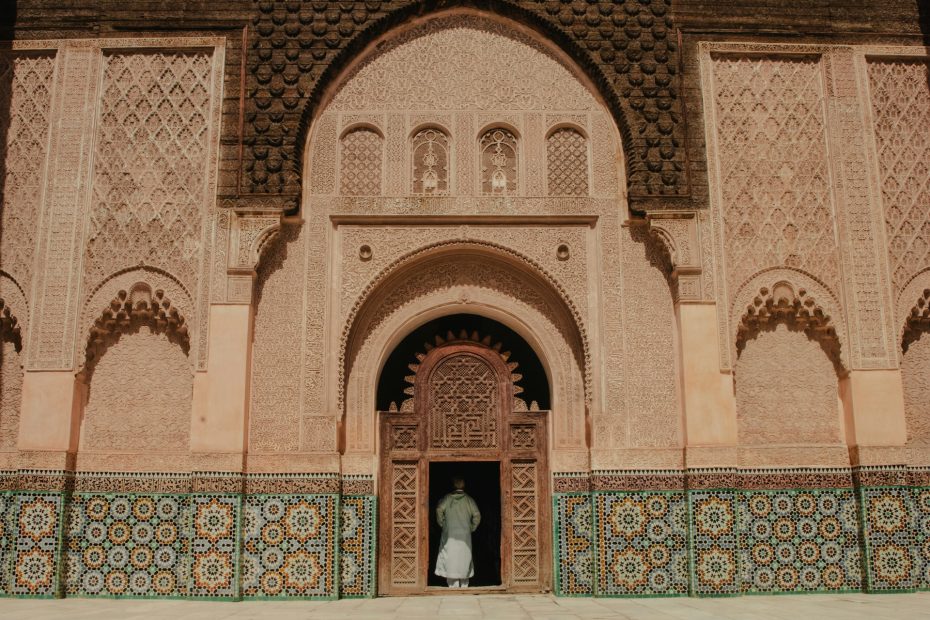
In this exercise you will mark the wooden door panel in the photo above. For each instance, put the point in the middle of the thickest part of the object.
(463, 411)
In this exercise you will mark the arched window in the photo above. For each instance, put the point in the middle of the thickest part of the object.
(498, 149)
(360, 173)
(430, 162)
(567, 162)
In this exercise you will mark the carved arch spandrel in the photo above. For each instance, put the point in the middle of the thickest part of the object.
(783, 304)
(594, 42)
(822, 297)
(101, 298)
(473, 283)
(571, 324)
(128, 311)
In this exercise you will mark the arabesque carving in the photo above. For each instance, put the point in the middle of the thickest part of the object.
(152, 157)
(567, 162)
(26, 91)
(472, 338)
(770, 141)
(900, 92)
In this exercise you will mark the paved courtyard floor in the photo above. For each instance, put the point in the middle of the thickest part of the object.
(503, 607)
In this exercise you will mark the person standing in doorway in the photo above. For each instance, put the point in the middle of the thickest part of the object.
(458, 516)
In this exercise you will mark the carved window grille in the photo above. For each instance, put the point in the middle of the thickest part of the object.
(430, 162)
(567, 162)
(464, 403)
(360, 173)
(498, 149)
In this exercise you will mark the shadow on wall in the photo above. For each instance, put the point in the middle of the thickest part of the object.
(923, 11)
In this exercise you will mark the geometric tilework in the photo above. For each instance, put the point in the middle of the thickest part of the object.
(127, 545)
(891, 546)
(573, 544)
(799, 541)
(7, 536)
(642, 543)
(37, 523)
(922, 516)
(714, 556)
(289, 546)
(214, 545)
(357, 546)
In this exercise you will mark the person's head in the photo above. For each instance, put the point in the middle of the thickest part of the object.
(458, 482)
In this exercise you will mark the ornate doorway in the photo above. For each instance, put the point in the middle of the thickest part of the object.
(463, 406)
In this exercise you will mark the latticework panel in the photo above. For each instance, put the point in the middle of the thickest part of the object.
(405, 563)
(900, 91)
(567, 163)
(464, 403)
(772, 164)
(498, 162)
(25, 93)
(360, 173)
(151, 163)
(525, 525)
(430, 162)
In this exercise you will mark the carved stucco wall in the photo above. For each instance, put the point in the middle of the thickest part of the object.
(915, 369)
(501, 77)
(650, 383)
(899, 90)
(275, 414)
(25, 97)
(786, 394)
(774, 180)
(11, 385)
(629, 51)
(26, 84)
(139, 401)
(406, 85)
(791, 187)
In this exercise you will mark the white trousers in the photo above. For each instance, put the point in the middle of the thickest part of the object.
(457, 583)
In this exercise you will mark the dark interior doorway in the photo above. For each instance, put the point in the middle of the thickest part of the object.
(482, 482)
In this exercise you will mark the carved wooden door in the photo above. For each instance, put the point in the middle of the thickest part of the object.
(463, 408)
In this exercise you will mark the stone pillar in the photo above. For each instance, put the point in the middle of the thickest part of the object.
(50, 419)
(873, 405)
(708, 400)
(707, 392)
(50, 413)
(219, 418)
(872, 393)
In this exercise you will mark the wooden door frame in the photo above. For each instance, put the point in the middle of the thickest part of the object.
(504, 453)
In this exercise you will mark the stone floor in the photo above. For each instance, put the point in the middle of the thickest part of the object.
(502, 607)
